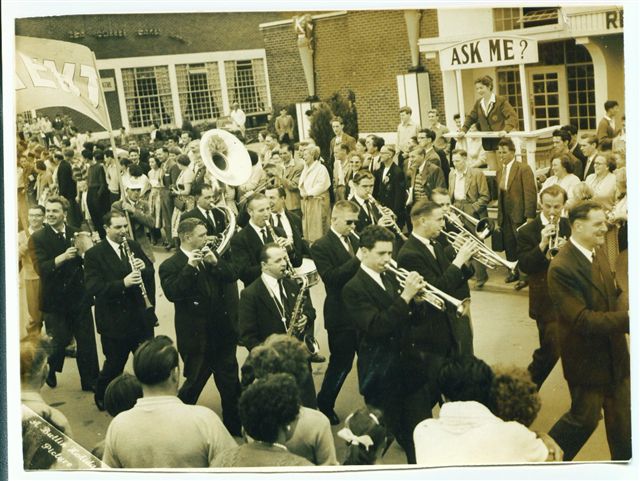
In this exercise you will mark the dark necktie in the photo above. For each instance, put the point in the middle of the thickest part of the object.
(349, 246)
(279, 220)
(211, 219)
(388, 285)
(283, 295)
(123, 256)
(265, 236)
(370, 211)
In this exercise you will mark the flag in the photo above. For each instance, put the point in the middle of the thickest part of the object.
(50, 73)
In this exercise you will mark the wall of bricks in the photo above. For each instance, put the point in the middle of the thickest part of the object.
(362, 51)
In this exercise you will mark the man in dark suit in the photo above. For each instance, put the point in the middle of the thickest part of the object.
(65, 305)
(340, 138)
(574, 146)
(469, 192)
(137, 212)
(517, 201)
(593, 342)
(335, 257)
(286, 221)
(534, 241)
(390, 184)
(589, 146)
(246, 244)
(206, 338)
(205, 210)
(266, 307)
(381, 313)
(123, 318)
(67, 186)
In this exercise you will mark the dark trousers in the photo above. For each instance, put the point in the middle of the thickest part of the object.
(113, 197)
(62, 328)
(509, 238)
(116, 352)
(573, 429)
(546, 356)
(203, 360)
(98, 205)
(343, 346)
(166, 209)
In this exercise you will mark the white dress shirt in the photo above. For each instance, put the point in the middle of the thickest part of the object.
(115, 246)
(426, 242)
(342, 239)
(286, 225)
(459, 191)
(374, 275)
(586, 252)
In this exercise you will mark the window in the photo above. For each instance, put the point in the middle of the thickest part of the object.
(246, 84)
(199, 90)
(524, 17)
(148, 96)
(509, 87)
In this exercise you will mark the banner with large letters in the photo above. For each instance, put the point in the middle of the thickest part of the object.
(51, 73)
(489, 51)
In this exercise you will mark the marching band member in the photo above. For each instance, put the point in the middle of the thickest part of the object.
(123, 319)
(537, 241)
(335, 257)
(192, 279)
(389, 187)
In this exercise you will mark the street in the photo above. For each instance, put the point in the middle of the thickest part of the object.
(503, 334)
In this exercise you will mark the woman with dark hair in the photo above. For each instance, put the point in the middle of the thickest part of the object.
(268, 410)
(563, 175)
(467, 432)
(312, 438)
(366, 438)
(490, 113)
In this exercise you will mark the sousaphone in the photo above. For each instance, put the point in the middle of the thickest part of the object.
(225, 157)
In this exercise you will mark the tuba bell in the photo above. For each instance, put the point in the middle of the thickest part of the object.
(225, 157)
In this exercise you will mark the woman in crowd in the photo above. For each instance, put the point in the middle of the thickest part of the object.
(268, 410)
(616, 238)
(563, 175)
(183, 201)
(602, 181)
(312, 438)
(366, 438)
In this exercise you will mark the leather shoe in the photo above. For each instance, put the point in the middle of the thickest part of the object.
(317, 358)
(99, 402)
(331, 414)
(89, 388)
(51, 380)
(480, 283)
(521, 285)
(512, 277)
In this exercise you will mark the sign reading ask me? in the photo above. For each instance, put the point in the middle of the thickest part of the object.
(489, 51)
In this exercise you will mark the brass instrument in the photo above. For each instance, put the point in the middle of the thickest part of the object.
(143, 290)
(482, 226)
(225, 156)
(298, 321)
(484, 255)
(430, 293)
(219, 245)
(265, 184)
(554, 242)
(387, 211)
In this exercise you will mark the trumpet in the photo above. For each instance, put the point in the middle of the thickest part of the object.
(430, 293)
(554, 242)
(388, 212)
(482, 226)
(484, 255)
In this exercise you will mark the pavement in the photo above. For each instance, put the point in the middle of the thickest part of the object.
(503, 334)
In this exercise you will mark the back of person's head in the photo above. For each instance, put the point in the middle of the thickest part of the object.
(365, 436)
(122, 394)
(34, 352)
(268, 405)
(280, 353)
(466, 379)
(514, 395)
(154, 360)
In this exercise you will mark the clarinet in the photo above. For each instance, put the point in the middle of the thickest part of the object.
(290, 271)
(143, 289)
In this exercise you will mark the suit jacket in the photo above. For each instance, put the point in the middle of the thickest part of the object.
(141, 220)
(62, 288)
(444, 164)
(432, 177)
(605, 131)
(346, 139)
(578, 154)
(258, 315)
(589, 167)
(119, 311)
(519, 201)
(380, 318)
(292, 179)
(336, 267)
(218, 217)
(435, 332)
(476, 191)
(593, 345)
(534, 262)
(300, 245)
(391, 191)
(364, 218)
(66, 185)
(200, 311)
(245, 251)
(502, 116)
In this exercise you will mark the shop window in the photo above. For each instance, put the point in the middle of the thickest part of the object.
(247, 84)
(148, 96)
(199, 90)
(523, 17)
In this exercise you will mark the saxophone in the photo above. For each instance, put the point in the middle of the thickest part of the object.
(298, 321)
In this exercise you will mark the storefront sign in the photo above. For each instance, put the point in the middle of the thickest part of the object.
(491, 51)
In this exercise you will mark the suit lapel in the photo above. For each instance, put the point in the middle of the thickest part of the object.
(267, 299)
(374, 288)
(512, 173)
(586, 269)
(467, 181)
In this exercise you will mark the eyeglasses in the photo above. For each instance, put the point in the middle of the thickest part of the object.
(350, 221)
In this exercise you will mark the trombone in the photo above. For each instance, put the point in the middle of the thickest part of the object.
(482, 226)
(484, 255)
(429, 293)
